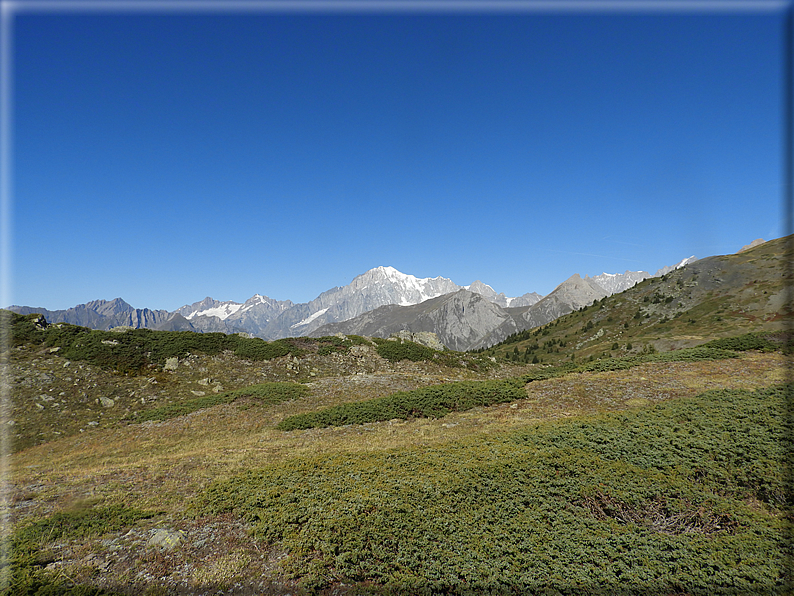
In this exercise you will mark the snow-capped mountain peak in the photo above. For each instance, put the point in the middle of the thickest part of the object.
(222, 310)
(669, 268)
(614, 283)
(395, 287)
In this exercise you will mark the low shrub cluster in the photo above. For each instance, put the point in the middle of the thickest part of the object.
(254, 348)
(440, 400)
(264, 393)
(684, 355)
(427, 402)
(395, 351)
(653, 501)
(135, 350)
(763, 341)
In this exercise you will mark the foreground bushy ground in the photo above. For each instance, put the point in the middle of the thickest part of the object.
(440, 400)
(684, 497)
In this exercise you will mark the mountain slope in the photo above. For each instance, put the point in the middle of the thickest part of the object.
(274, 319)
(101, 314)
(459, 320)
(456, 327)
(709, 298)
(465, 320)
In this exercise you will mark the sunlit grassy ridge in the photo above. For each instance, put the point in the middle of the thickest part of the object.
(653, 501)
(714, 297)
(136, 350)
(440, 400)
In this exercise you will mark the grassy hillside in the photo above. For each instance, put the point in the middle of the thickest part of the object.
(712, 298)
(679, 498)
(70, 380)
(164, 463)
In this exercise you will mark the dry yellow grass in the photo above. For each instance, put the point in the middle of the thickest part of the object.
(161, 464)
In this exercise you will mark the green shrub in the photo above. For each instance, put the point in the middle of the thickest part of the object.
(23, 328)
(405, 350)
(750, 341)
(427, 402)
(265, 393)
(654, 501)
(135, 350)
(258, 349)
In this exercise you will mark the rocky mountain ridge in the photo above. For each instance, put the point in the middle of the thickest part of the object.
(463, 323)
(466, 320)
(271, 319)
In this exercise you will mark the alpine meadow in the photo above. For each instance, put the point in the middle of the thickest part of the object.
(396, 298)
(636, 445)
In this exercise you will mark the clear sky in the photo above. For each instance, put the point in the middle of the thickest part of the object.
(166, 156)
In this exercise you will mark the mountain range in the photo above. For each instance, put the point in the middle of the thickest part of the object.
(377, 303)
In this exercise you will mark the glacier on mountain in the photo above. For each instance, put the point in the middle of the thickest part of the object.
(310, 318)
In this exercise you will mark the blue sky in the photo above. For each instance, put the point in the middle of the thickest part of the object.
(163, 157)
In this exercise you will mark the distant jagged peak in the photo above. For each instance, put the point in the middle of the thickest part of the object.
(482, 289)
(257, 299)
(574, 280)
(501, 299)
(681, 263)
(753, 244)
(615, 283)
(393, 274)
(108, 307)
(580, 287)
(404, 289)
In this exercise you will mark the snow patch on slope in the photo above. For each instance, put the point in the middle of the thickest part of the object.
(309, 319)
(222, 311)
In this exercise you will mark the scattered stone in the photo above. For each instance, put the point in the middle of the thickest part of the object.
(53, 350)
(93, 423)
(425, 338)
(95, 561)
(171, 363)
(106, 402)
(166, 539)
(110, 342)
(199, 393)
(204, 381)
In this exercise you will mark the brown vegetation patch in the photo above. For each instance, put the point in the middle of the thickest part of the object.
(657, 516)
